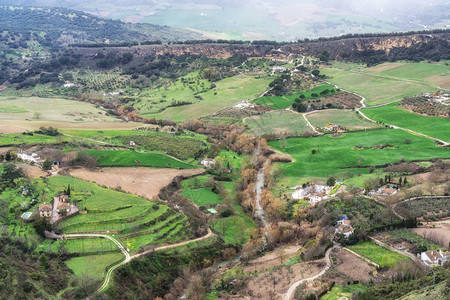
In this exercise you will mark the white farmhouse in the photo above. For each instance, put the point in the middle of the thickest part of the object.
(435, 257)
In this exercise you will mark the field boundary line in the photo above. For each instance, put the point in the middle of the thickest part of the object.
(386, 246)
(310, 125)
(363, 257)
(363, 105)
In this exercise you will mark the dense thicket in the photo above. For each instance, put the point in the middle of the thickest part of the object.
(26, 274)
(155, 274)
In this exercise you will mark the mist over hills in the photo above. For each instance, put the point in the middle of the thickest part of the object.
(269, 19)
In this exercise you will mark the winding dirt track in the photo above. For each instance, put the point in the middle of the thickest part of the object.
(291, 291)
(127, 255)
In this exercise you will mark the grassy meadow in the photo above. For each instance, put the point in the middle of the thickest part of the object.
(132, 158)
(344, 118)
(93, 266)
(376, 89)
(308, 94)
(278, 122)
(274, 102)
(285, 101)
(339, 291)
(379, 255)
(228, 92)
(438, 127)
(438, 74)
(91, 246)
(335, 154)
(44, 110)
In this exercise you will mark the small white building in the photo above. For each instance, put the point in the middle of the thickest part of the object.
(29, 158)
(279, 69)
(344, 226)
(314, 198)
(435, 257)
(208, 162)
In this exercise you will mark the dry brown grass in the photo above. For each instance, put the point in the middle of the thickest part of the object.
(261, 286)
(139, 181)
(439, 234)
(11, 128)
(385, 67)
(442, 81)
(352, 266)
(32, 171)
(272, 259)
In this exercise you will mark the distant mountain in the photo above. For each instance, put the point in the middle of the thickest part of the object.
(282, 20)
(72, 26)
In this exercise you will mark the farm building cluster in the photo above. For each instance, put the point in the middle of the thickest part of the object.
(333, 127)
(313, 193)
(60, 208)
(384, 191)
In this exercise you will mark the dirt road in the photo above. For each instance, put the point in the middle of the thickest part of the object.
(127, 255)
(291, 291)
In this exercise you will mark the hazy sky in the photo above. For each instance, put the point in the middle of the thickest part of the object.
(269, 19)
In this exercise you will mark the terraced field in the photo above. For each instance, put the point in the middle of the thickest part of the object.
(137, 221)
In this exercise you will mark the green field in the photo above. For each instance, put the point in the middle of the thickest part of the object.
(379, 255)
(228, 92)
(316, 90)
(438, 74)
(278, 122)
(183, 89)
(339, 291)
(438, 127)
(233, 229)
(42, 110)
(397, 236)
(285, 101)
(93, 266)
(273, 102)
(350, 120)
(132, 158)
(85, 245)
(377, 90)
(202, 196)
(19, 138)
(336, 153)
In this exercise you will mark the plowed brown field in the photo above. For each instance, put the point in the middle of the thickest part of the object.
(139, 181)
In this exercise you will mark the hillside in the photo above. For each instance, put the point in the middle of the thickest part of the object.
(282, 20)
(69, 26)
